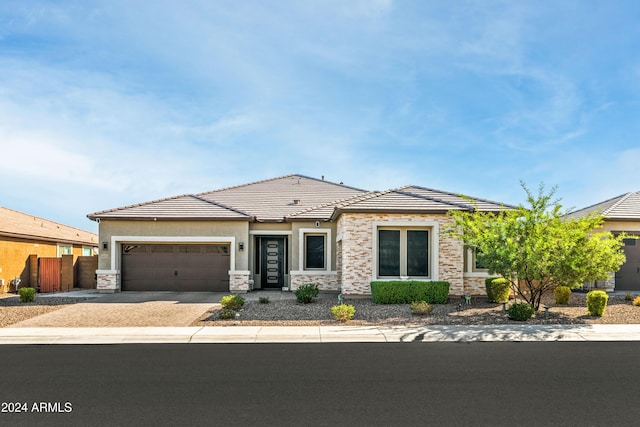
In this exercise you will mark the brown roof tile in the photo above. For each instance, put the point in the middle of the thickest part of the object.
(277, 198)
(21, 225)
(179, 207)
(623, 207)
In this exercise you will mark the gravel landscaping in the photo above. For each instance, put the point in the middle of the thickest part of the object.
(292, 313)
(455, 312)
(13, 311)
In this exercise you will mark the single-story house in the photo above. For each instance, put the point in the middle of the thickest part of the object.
(621, 214)
(283, 232)
(22, 235)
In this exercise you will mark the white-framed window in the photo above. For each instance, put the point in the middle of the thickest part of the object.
(65, 250)
(403, 252)
(471, 262)
(87, 251)
(315, 249)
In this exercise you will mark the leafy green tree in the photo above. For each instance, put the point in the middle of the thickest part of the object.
(538, 247)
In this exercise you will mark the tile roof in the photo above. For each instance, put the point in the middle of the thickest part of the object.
(22, 225)
(179, 207)
(413, 199)
(465, 202)
(269, 200)
(623, 207)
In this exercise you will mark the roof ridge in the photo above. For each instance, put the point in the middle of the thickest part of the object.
(461, 195)
(212, 202)
(362, 197)
(231, 187)
(274, 179)
(324, 205)
(434, 199)
(48, 220)
(621, 197)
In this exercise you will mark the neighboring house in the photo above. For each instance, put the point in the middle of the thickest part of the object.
(283, 232)
(622, 214)
(22, 235)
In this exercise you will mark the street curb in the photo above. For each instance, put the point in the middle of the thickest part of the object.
(321, 334)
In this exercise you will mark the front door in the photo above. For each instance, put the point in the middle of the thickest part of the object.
(628, 277)
(272, 262)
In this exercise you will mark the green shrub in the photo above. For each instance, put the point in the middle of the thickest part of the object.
(421, 308)
(628, 296)
(27, 294)
(499, 289)
(520, 311)
(343, 312)
(636, 301)
(489, 288)
(562, 293)
(307, 293)
(232, 302)
(263, 300)
(226, 314)
(597, 302)
(407, 291)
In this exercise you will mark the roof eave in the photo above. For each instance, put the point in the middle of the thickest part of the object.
(47, 239)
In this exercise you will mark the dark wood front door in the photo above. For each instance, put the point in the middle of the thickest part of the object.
(272, 262)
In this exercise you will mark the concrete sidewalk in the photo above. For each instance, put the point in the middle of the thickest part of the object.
(319, 334)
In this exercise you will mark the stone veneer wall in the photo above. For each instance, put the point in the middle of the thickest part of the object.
(356, 231)
(108, 281)
(239, 282)
(475, 286)
(325, 282)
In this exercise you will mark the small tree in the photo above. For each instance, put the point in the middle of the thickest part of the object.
(538, 247)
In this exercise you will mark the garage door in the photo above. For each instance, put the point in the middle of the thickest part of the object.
(183, 268)
(628, 277)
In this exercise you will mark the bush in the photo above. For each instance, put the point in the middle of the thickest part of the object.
(520, 311)
(597, 302)
(628, 296)
(636, 301)
(226, 314)
(421, 308)
(263, 300)
(232, 302)
(489, 288)
(307, 293)
(562, 293)
(407, 291)
(499, 289)
(27, 294)
(343, 312)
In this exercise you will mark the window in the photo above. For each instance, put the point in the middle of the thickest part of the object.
(314, 251)
(65, 250)
(87, 251)
(471, 262)
(403, 252)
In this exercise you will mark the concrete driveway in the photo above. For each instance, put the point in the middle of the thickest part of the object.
(125, 309)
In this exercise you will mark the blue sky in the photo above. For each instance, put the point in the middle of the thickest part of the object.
(110, 103)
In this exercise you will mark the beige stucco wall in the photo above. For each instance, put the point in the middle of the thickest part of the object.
(239, 230)
(356, 231)
(116, 232)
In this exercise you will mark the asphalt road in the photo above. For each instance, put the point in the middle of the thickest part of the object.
(438, 384)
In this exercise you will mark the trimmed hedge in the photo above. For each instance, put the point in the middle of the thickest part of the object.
(597, 302)
(562, 294)
(407, 291)
(498, 289)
